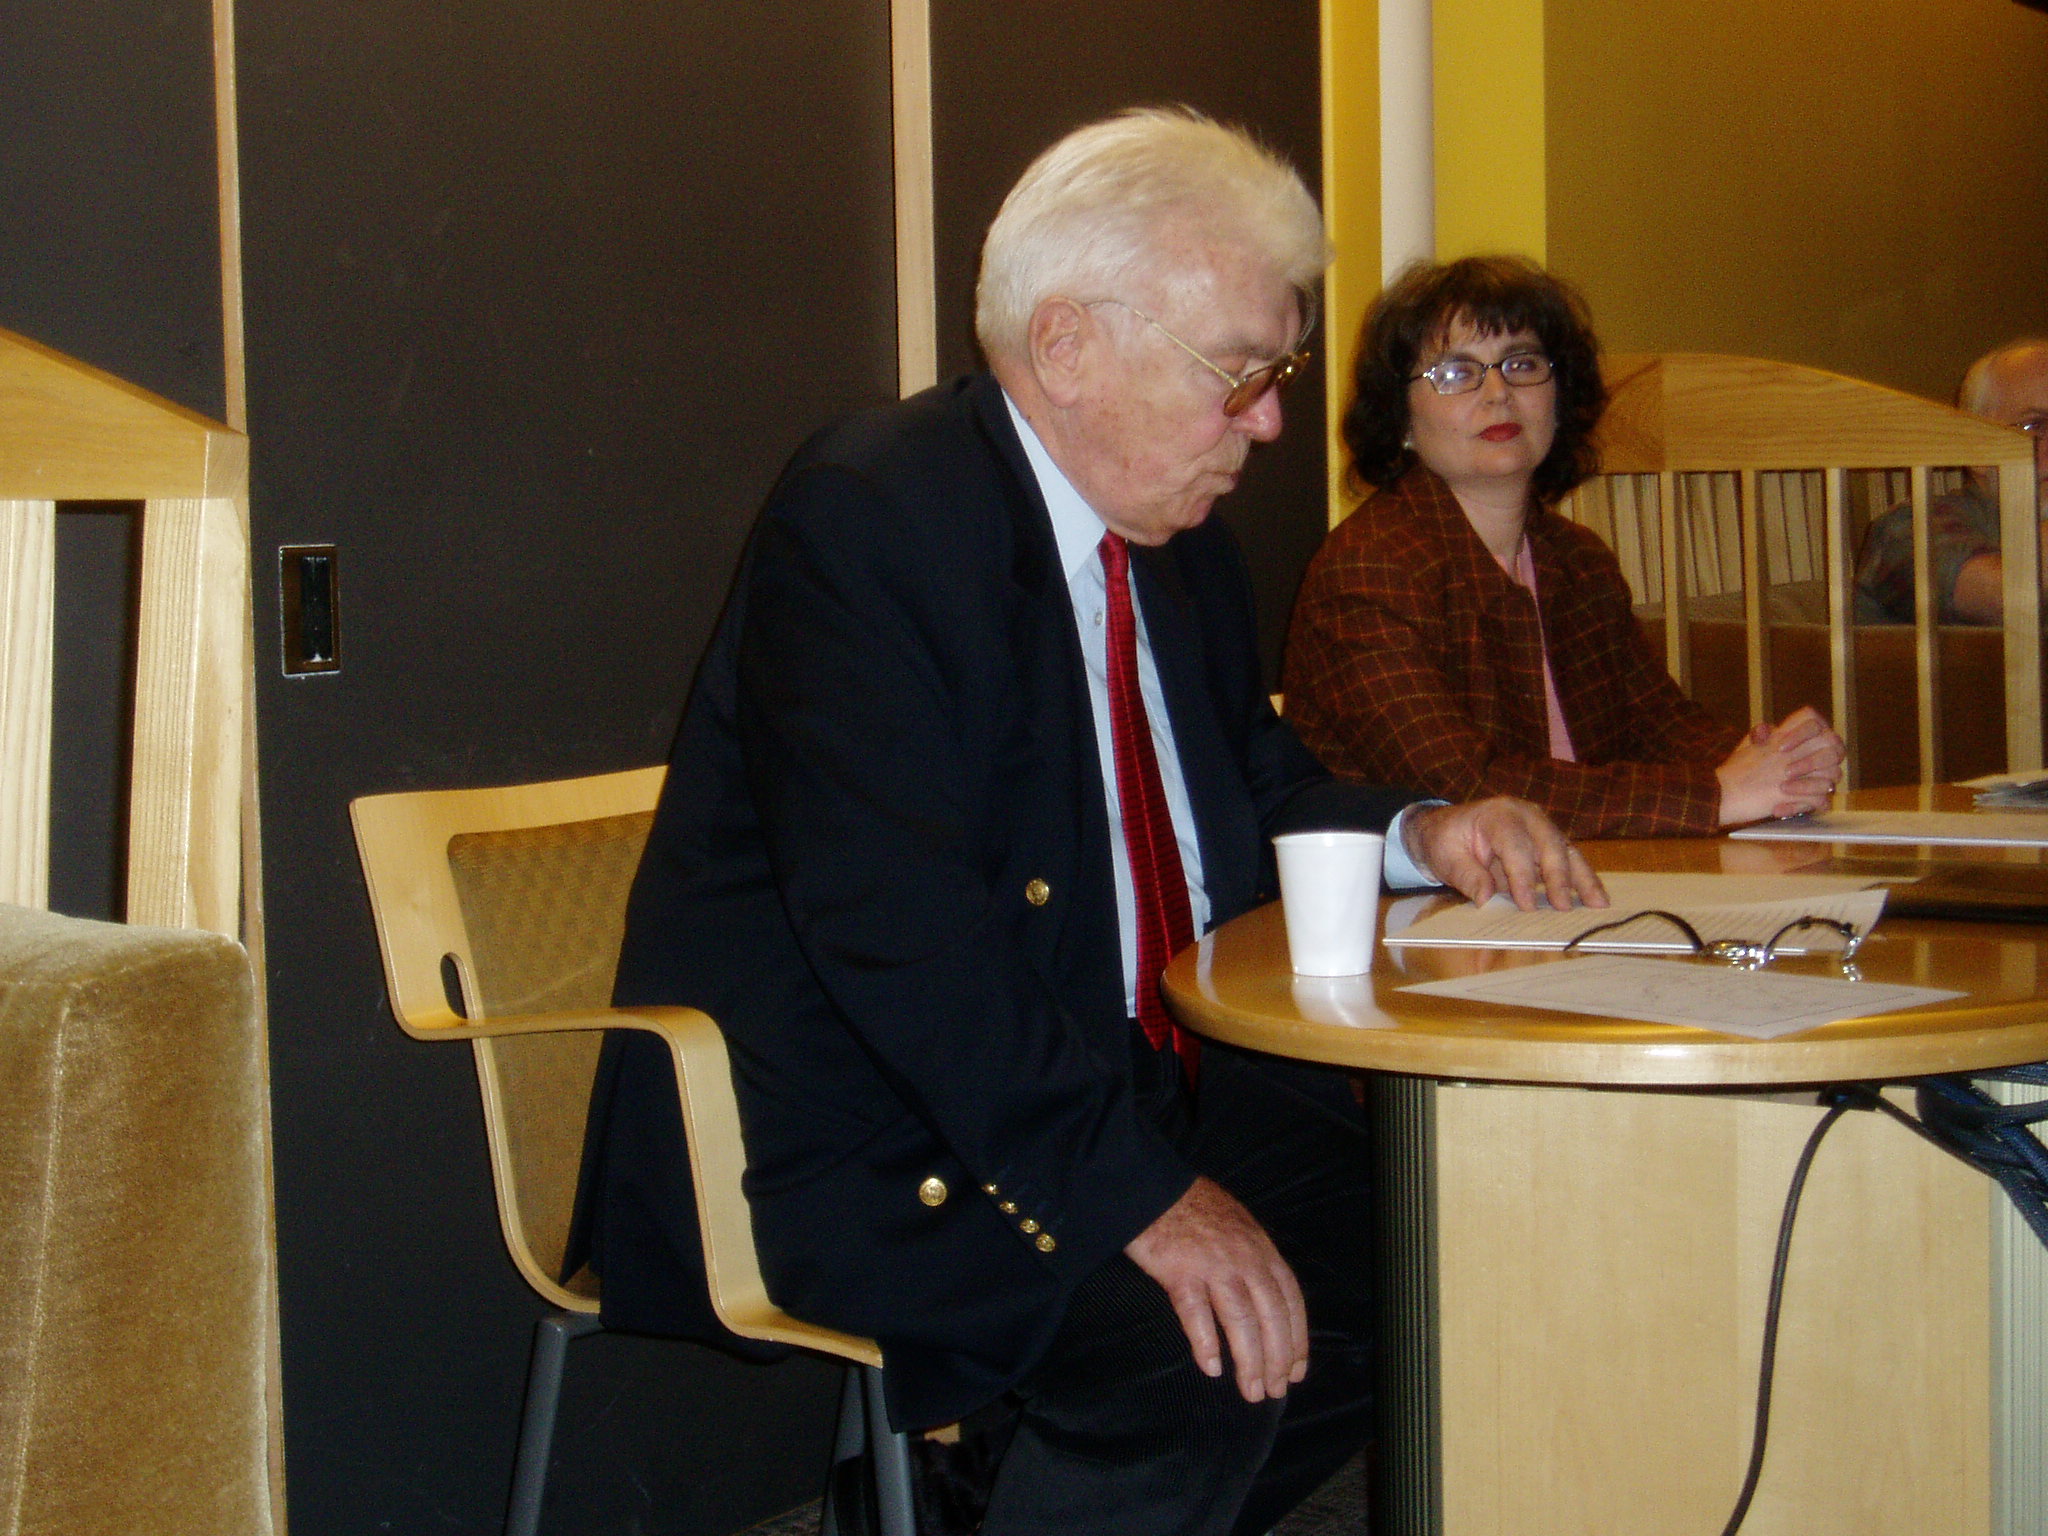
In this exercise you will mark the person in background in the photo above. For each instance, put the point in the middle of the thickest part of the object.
(979, 742)
(1455, 633)
(2008, 386)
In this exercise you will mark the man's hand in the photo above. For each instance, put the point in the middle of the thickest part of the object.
(1486, 846)
(1781, 770)
(1217, 1266)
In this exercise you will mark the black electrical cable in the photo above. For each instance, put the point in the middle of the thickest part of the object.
(1962, 1120)
(1843, 1101)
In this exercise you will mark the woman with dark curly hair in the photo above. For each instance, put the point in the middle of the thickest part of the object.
(1457, 635)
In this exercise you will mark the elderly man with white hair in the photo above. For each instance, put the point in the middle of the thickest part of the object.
(979, 743)
(2008, 385)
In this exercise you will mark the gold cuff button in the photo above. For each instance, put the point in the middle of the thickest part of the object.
(990, 1189)
(1008, 1207)
(1027, 1226)
(1038, 893)
(932, 1191)
(1045, 1242)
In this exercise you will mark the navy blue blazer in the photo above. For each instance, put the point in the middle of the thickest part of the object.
(881, 861)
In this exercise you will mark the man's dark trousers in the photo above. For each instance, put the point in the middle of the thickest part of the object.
(1118, 1429)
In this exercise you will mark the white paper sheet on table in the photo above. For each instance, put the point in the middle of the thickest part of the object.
(1998, 829)
(1746, 908)
(1762, 1005)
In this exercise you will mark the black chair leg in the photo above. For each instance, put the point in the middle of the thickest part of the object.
(868, 1492)
(891, 1451)
(551, 1336)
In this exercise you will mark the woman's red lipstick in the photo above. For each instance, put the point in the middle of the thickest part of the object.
(1502, 432)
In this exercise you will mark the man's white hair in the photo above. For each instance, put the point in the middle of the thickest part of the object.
(1974, 393)
(1094, 214)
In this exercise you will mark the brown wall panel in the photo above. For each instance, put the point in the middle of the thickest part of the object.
(539, 297)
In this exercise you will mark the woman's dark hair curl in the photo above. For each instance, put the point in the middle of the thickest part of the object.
(1494, 294)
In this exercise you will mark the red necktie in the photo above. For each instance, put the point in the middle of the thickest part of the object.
(1165, 924)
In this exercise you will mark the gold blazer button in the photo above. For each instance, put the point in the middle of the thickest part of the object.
(1027, 1226)
(1045, 1242)
(932, 1191)
(1038, 893)
(1008, 1207)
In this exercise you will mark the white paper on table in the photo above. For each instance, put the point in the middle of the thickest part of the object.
(2004, 780)
(1745, 908)
(1998, 829)
(1762, 1005)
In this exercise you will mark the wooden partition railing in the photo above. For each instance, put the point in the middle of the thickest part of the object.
(71, 433)
(1732, 474)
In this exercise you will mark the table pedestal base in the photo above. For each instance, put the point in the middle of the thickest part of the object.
(1577, 1281)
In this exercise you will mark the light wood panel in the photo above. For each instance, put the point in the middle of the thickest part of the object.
(917, 321)
(1704, 411)
(192, 664)
(1604, 1261)
(28, 565)
(70, 432)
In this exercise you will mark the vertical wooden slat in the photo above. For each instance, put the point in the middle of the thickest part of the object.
(1772, 519)
(1841, 578)
(192, 655)
(1727, 502)
(1677, 629)
(2020, 539)
(1648, 535)
(1755, 579)
(917, 321)
(28, 574)
(1628, 540)
(1926, 632)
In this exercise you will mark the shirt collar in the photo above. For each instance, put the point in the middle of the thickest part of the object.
(1076, 527)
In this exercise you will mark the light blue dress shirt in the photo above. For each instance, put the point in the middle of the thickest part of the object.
(1078, 531)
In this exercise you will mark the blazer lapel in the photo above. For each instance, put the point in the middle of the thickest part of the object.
(1059, 719)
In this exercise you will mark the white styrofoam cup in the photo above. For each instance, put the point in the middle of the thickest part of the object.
(1330, 892)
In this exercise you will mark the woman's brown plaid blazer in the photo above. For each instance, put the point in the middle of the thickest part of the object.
(1414, 659)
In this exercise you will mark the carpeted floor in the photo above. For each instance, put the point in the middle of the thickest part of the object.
(1336, 1509)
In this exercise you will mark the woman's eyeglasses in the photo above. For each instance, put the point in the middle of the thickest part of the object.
(1462, 375)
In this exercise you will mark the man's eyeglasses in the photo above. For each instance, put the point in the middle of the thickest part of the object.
(1246, 389)
(1462, 375)
(1745, 954)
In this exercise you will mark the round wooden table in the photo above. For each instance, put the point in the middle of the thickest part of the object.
(1580, 1215)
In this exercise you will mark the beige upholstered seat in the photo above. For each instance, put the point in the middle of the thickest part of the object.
(512, 902)
(1736, 475)
(135, 1248)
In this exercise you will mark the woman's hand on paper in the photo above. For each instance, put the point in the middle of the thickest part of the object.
(1502, 845)
(1785, 769)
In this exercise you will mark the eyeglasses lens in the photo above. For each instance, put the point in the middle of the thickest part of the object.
(1251, 389)
(1460, 376)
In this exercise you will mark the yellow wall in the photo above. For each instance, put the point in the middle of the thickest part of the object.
(1857, 186)
(1490, 127)
(1351, 204)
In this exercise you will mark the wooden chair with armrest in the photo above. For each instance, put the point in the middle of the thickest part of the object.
(138, 1306)
(71, 433)
(521, 892)
(1749, 470)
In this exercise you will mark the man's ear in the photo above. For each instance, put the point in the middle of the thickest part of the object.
(1060, 341)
